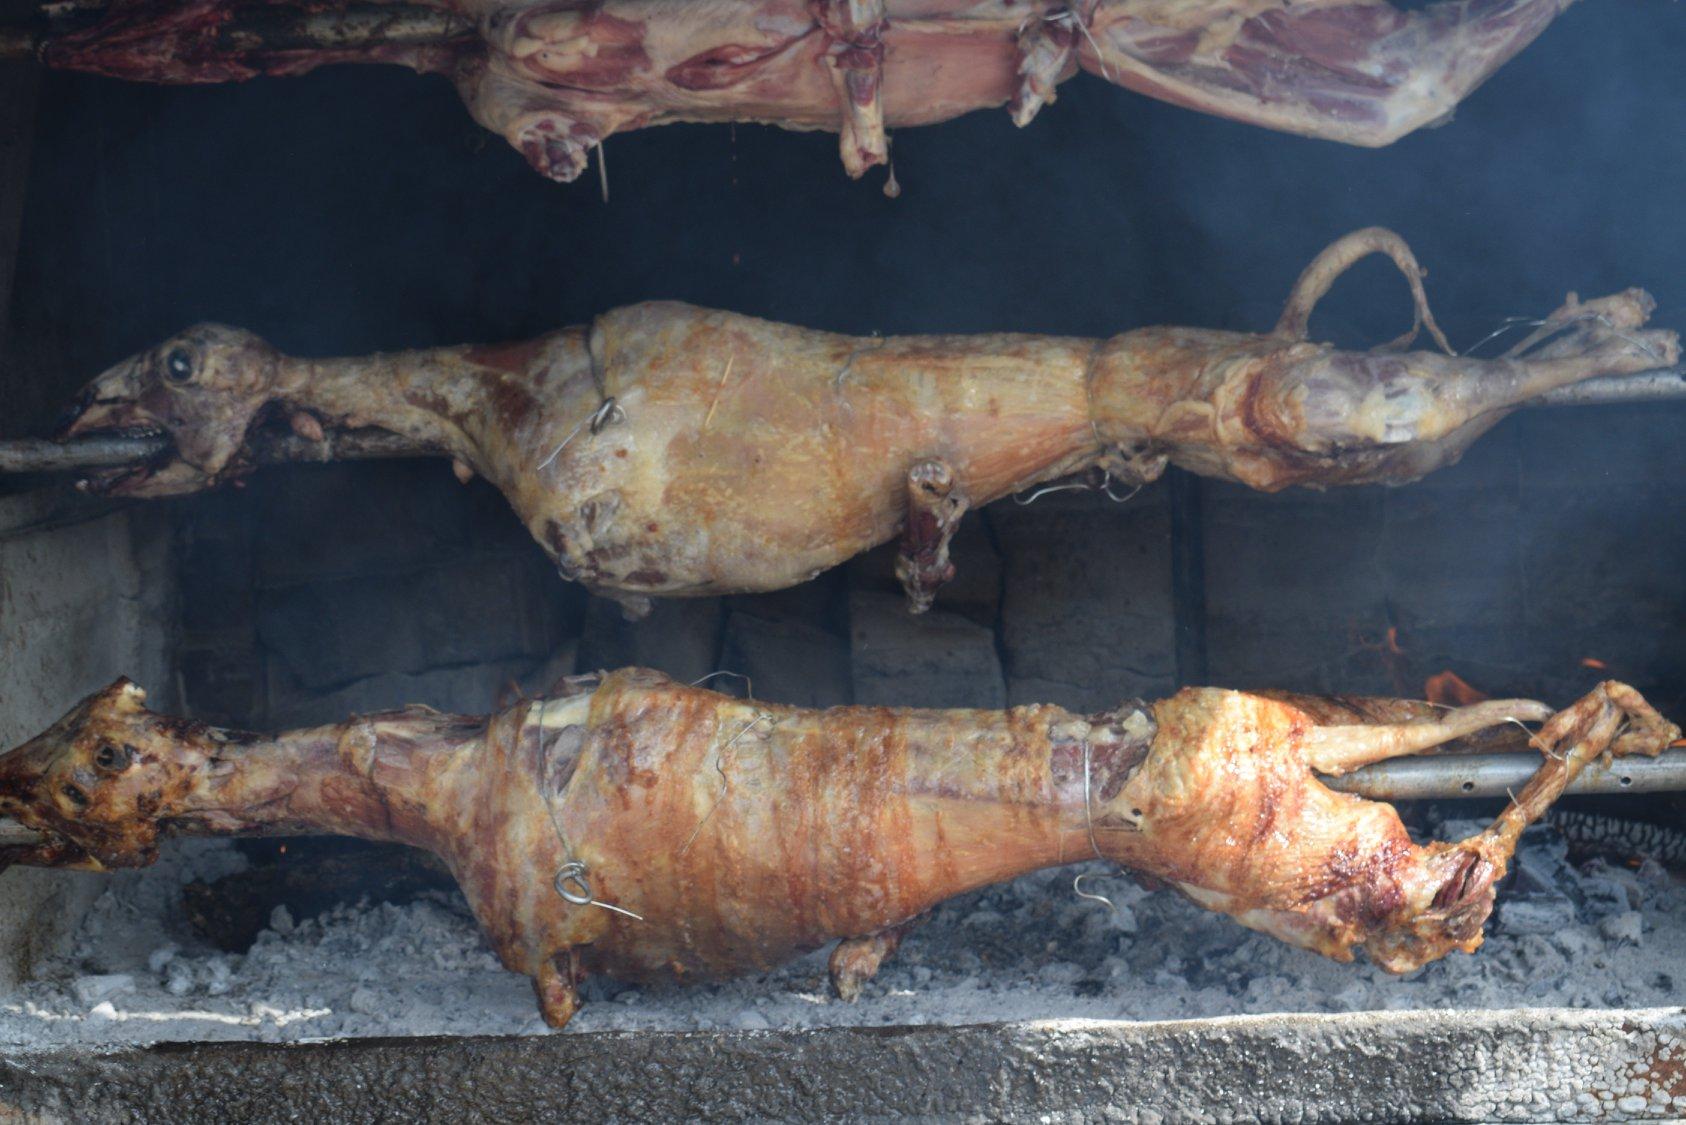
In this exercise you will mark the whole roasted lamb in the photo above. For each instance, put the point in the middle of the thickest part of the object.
(638, 827)
(669, 450)
(557, 77)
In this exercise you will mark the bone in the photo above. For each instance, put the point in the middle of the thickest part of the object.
(1336, 749)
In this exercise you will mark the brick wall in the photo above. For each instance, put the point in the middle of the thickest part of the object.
(83, 599)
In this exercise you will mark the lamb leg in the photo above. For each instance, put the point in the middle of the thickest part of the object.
(556, 985)
(857, 960)
(935, 503)
(1449, 902)
(1359, 71)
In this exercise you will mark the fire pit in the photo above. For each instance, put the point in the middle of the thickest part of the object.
(343, 982)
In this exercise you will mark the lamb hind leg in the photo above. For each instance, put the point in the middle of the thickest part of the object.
(1320, 416)
(1359, 71)
(1613, 719)
(1452, 895)
(1335, 750)
(857, 960)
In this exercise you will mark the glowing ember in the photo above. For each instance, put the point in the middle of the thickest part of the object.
(1448, 688)
(1594, 663)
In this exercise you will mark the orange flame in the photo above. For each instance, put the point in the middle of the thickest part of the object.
(1594, 663)
(1448, 688)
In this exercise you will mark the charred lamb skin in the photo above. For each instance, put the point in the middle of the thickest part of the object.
(556, 78)
(666, 450)
(634, 826)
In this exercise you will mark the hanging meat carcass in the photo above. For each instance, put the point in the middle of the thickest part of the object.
(668, 450)
(641, 828)
(557, 77)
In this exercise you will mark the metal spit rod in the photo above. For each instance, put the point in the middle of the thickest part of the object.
(1441, 776)
(31, 455)
(13, 833)
(1496, 775)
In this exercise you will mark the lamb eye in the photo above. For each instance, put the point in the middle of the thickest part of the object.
(113, 759)
(178, 365)
(75, 796)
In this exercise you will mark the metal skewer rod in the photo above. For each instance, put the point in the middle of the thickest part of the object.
(32, 455)
(1495, 775)
(29, 455)
(12, 833)
(1439, 776)
(1659, 385)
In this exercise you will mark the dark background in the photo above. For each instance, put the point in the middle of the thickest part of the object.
(361, 208)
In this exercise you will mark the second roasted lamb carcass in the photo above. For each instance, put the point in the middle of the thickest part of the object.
(669, 450)
(557, 77)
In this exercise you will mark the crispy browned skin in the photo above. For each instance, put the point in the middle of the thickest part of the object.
(742, 833)
(555, 78)
(669, 450)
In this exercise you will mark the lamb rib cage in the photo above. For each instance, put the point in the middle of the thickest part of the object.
(556, 79)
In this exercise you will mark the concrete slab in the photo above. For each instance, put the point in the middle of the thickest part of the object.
(1539, 1065)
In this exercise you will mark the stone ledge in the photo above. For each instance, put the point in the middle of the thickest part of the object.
(1518, 1065)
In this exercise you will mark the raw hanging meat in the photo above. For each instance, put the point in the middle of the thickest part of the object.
(556, 78)
(669, 450)
(637, 827)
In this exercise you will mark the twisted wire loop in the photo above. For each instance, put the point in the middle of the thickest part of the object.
(608, 413)
(1088, 820)
(1089, 823)
(1105, 487)
(573, 878)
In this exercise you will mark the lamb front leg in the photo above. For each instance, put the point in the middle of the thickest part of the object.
(1335, 750)
(857, 960)
(553, 133)
(1359, 71)
(557, 986)
(1047, 54)
(935, 503)
(855, 59)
